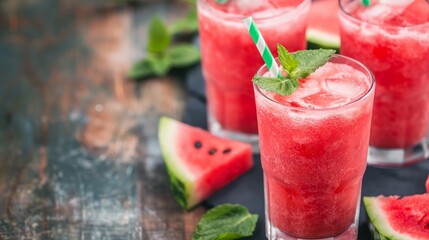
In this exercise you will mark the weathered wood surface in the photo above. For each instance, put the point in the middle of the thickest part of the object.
(79, 157)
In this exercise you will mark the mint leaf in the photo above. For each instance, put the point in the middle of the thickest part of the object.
(159, 37)
(187, 25)
(222, 1)
(227, 236)
(226, 222)
(287, 60)
(283, 86)
(298, 65)
(160, 64)
(162, 55)
(153, 65)
(309, 61)
(141, 69)
(183, 55)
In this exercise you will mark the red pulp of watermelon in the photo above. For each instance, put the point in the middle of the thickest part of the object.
(209, 159)
(408, 215)
(199, 163)
(324, 16)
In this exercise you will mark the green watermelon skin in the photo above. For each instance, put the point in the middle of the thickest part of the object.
(198, 170)
(323, 29)
(395, 218)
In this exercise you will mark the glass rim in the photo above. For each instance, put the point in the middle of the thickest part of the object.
(347, 14)
(240, 17)
(347, 105)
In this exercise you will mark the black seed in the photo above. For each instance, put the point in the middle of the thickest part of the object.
(198, 144)
(228, 150)
(212, 151)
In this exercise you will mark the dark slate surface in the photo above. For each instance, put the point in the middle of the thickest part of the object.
(248, 190)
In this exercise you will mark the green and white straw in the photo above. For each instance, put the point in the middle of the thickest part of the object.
(262, 46)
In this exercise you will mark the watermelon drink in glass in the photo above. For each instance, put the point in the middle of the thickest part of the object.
(230, 59)
(314, 146)
(392, 39)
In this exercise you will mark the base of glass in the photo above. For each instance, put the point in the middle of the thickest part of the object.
(216, 128)
(398, 157)
(274, 233)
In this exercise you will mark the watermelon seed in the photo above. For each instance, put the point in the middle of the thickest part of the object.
(198, 144)
(212, 151)
(228, 150)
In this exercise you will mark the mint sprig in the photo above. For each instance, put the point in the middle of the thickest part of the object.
(283, 86)
(226, 222)
(158, 36)
(310, 60)
(297, 65)
(162, 54)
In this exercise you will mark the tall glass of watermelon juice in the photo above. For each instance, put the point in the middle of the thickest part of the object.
(230, 59)
(392, 39)
(314, 146)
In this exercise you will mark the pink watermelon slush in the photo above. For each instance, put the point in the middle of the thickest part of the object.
(314, 147)
(230, 58)
(392, 39)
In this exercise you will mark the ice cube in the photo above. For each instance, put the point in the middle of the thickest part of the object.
(398, 3)
(246, 7)
(395, 12)
(269, 12)
(415, 13)
(246, 4)
(323, 100)
(343, 86)
(307, 88)
(377, 13)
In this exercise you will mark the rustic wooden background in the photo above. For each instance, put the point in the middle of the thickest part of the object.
(79, 157)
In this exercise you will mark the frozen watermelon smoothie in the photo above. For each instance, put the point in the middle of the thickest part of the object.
(314, 147)
(230, 59)
(392, 39)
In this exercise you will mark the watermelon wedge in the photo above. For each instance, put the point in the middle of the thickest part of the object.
(395, 218)
(199, 163)
(323, 27)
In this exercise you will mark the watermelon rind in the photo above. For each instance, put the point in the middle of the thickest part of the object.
(323, 39)
(380, 227)
(180, 178)
(376, 235)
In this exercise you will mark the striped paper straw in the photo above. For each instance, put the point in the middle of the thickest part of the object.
(262, 46)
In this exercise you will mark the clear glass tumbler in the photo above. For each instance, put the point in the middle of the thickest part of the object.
(392, 39)
(314, 146)
(230, 58)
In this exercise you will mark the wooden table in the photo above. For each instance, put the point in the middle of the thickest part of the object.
(79, 157)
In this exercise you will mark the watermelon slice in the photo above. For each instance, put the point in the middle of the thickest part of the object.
(199, 163)
(324, 28)
(395, 218)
